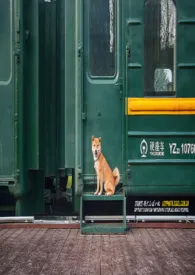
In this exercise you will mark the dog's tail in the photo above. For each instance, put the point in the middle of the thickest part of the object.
(116, 176)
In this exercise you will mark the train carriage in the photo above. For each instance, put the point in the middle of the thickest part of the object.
(119, 69)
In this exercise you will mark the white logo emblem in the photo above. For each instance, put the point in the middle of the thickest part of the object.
(143, 148)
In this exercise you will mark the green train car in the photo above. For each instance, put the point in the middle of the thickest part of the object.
(122, 70)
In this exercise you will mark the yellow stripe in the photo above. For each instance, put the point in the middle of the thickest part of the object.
(161, 106)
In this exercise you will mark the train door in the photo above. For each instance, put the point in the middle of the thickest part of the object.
(102, 83)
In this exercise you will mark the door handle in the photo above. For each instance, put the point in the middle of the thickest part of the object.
(119, 87)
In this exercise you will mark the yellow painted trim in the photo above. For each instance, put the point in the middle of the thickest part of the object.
(161, 106)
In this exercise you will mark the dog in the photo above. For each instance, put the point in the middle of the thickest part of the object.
(104, 174)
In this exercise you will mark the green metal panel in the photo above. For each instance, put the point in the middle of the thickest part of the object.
(66, 87)
(167, 169)
(70, 82)
(66, 54)
(47, 25)
(134, 27)
(60, 83)
(9, 65)
(171, 173)
(185, 48)
(7, 89)
(31, 91)
(29, 181)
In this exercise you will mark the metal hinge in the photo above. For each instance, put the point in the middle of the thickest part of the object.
(128, 50)
(17, 37)
(15, 118)
(18, 25)
(18, 30)
(79, 51)
(119, 86)
(17, 175)
(80, 173)
(17, 55)
(83, 116)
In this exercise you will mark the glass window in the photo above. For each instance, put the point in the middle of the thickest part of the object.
(102, 37)
(160, 48)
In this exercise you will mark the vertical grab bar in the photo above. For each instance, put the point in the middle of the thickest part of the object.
(79, 99)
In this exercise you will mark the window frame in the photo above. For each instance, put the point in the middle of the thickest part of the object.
(116, 50)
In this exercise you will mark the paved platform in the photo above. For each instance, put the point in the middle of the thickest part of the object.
(66, 251)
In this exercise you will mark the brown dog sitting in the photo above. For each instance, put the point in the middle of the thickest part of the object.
(104, 174)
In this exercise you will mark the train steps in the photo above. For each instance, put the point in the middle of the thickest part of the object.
(102, 227)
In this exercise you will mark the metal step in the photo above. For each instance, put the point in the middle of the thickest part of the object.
(102, 228)
(92, 197)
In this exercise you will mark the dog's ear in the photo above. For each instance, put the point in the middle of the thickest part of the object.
(100, 138)
(92, 138)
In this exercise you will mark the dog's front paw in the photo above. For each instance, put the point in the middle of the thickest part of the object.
(96, 193)
(99, 193)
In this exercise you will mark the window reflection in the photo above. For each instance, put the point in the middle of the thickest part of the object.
(160, 47)
(102, 27)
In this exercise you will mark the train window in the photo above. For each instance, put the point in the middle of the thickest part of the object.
(160, 48)
(102, 38)
(163, 80)
(5, 41)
